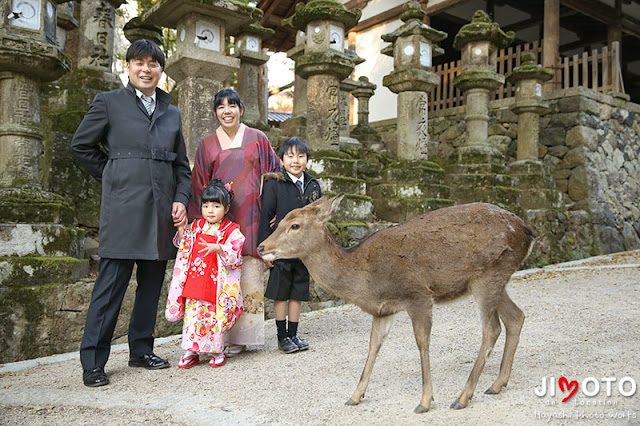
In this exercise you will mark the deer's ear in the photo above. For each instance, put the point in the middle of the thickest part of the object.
(329, 207)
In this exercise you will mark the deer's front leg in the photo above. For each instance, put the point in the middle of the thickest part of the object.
(379, 331)
(421, 320)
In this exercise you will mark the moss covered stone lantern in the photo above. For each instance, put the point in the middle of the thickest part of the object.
(199, 64)
(412, 79)
(479, 42)
(324, 64)
(528, 79)
(248, 49)
(29, 56)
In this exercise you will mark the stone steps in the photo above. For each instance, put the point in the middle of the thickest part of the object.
(41, 271)
(340, 184)
(406, 190)
(397, 210)
(41, 240)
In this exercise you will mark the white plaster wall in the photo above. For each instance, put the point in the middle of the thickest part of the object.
(382, 105)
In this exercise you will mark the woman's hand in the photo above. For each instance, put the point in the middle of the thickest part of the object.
(209, 247)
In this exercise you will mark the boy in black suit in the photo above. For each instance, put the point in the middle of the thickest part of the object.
(288, 279)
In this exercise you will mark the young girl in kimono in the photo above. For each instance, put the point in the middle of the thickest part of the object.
(205, 289)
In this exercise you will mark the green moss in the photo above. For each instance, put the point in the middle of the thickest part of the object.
(349, 196)
(481, 28)
(345, 179)
(43, 271)
(323, 10)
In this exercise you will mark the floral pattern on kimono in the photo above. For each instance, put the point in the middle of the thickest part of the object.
(206, 321)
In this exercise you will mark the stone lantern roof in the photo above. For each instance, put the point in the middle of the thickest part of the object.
(412, 15)
(529, 69)
(323, 10)
(235, 14)
(482, 29)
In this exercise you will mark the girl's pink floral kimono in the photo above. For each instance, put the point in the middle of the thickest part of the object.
(205, 289)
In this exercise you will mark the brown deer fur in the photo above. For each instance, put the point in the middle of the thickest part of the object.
(437, 257)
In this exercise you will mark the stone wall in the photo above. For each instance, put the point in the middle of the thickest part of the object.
(590, 144)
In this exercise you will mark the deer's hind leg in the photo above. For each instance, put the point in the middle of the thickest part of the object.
(512, 318)
(487, 302)
(379, 331)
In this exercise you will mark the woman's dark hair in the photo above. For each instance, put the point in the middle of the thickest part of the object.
(142, 48)
(230, 95)
(217, 193)
(297, 144)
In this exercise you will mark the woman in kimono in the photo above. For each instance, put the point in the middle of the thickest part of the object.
(239, 154)
(205, 288)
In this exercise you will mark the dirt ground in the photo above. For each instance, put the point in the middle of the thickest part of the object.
(582, 324)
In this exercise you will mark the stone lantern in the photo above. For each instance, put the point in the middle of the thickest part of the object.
(249, 51)
(412, 79)
(479, 42)
(199, 64)
(537, 187)
(324, 65)
(29, 56)
(363, 132)
(528, 79)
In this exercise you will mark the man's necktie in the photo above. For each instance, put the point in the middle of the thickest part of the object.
(299, 183)
(147, 101)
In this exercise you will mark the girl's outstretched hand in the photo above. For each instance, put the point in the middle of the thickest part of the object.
(209, 247)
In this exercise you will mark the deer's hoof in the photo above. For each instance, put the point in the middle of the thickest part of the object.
(351, 402)
(457, 405)
(420, 409)
(490, 391)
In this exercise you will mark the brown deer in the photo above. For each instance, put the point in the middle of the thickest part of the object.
(434, 258)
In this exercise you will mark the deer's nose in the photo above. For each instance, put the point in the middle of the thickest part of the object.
(260, 250)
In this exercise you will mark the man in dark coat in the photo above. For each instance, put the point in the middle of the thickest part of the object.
(146, 181)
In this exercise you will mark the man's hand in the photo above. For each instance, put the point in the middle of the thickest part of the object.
(179, 214)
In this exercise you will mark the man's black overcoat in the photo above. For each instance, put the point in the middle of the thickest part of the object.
(143, 168)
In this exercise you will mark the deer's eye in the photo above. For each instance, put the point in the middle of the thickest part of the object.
(295, 226)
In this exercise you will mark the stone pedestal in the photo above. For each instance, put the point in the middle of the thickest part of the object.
(324, 64)
(297, 124)
(95, 34)
(249, 51)
(199, 65)
(323, 116)
(412, 79)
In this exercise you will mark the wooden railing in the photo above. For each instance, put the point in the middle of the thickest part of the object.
(597, 70)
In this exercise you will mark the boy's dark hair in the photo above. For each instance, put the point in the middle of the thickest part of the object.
(297, 144)
(230, 95)
(142, 48)
(216, 192)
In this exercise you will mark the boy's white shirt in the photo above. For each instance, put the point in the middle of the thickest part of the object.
(295, 179)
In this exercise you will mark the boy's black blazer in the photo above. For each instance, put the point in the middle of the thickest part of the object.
(280, 195)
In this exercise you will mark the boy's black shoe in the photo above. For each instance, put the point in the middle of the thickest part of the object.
(301, 344)
(150, 362)
(287, 346)
(94, 377)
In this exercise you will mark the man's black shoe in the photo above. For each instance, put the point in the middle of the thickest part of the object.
(94, 377)
(149, 361)
(287, 346)
(301, 344)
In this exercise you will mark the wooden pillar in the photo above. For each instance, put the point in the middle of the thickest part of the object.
(614, 34)
(551, 44)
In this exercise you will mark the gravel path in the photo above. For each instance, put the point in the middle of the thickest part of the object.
(582, 321)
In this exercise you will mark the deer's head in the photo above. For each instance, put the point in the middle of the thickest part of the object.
(301, 231)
